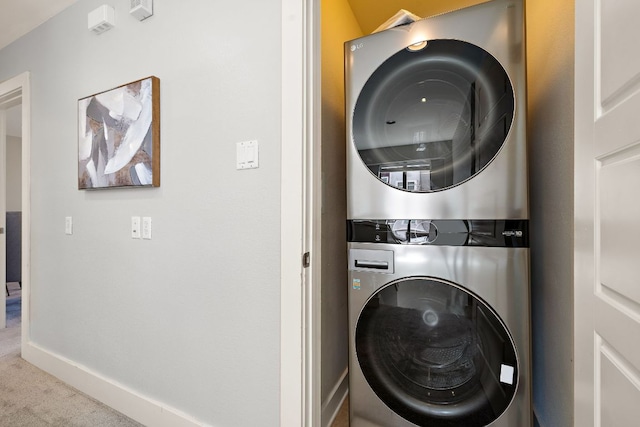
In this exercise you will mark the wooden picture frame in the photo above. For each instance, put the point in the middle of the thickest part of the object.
(119, 137)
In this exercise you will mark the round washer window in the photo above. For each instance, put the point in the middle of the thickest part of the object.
(430, 119)
(436, 354)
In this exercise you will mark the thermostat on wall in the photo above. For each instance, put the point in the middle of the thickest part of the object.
(141, 9)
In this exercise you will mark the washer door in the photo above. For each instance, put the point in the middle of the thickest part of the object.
(436, 354)
(433, 115)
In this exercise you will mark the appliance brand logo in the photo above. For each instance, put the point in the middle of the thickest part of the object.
(356, 46)
(512, 233)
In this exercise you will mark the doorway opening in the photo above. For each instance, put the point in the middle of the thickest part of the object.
(13, 217)
(14, 212)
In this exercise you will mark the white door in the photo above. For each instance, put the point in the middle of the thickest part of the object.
(607, 213)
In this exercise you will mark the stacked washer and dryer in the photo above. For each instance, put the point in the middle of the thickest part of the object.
(438, 222)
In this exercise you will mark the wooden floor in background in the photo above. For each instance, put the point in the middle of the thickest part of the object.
(342, 419)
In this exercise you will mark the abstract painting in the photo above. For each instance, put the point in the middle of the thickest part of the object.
(119, 137)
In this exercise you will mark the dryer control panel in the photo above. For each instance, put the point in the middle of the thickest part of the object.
(450, 232)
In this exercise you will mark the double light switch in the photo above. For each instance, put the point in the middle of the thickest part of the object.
(247, 155)
(141, 229)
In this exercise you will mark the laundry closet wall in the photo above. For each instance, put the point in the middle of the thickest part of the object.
(338, 26)
(550, 63)
(189, 320)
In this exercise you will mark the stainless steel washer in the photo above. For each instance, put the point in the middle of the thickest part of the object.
(439, 323)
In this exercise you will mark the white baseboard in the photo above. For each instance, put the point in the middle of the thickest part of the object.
(334, 401)
(130, 403)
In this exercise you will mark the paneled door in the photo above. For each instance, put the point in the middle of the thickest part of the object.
(607, 213)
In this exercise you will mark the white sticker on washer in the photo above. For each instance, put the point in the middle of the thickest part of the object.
(356, 283)
(506, 374)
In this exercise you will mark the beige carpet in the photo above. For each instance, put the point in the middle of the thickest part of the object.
(30, 397)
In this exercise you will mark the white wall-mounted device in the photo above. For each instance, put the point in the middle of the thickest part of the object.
(247, 155)
(101, 19)
(141, 9)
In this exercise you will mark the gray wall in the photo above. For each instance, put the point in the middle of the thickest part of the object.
(550, 49)
(190, 318)
(14, 173)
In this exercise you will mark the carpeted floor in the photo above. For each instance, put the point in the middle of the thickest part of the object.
(29, 397)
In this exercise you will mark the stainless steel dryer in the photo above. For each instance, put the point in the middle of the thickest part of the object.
(435, 116)
(439, 323)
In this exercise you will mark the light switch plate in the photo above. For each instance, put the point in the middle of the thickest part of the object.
(247, 155)
(146, 227)
(68, 225)
(135, 227)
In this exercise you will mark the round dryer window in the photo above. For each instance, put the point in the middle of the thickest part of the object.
(433, 115)
(436, 354)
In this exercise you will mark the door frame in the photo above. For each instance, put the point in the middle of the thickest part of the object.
(8, 102)
(300, 399)
(14, 91)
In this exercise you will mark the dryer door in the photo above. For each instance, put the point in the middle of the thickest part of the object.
(436, 354)
(433, 115)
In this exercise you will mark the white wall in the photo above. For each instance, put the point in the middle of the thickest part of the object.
(189, 319)
(14, 173)
(550, 49)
